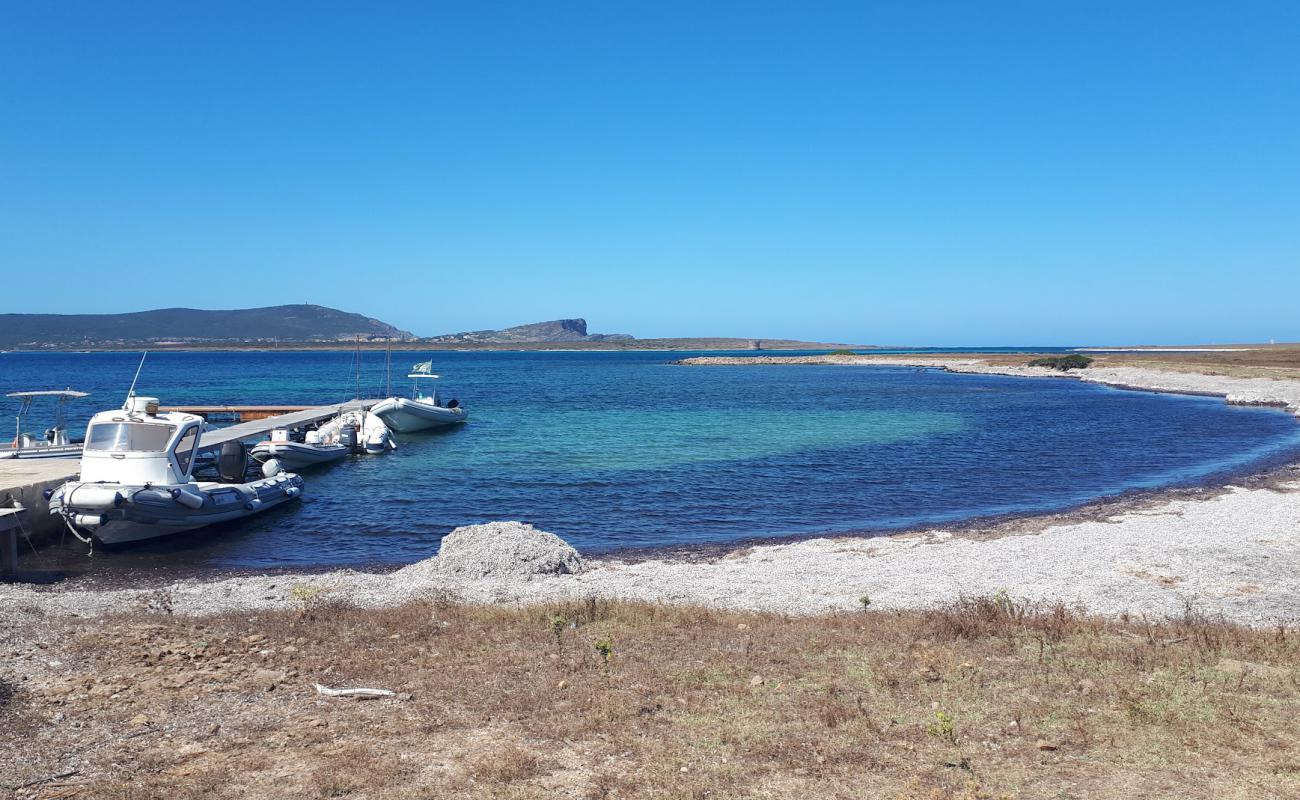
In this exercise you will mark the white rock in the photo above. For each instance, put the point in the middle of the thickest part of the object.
(505, 550)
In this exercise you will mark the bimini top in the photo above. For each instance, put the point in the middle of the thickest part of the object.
(67, 394)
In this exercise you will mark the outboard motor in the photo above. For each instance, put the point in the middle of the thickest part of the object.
(348, 436)
(232, 462)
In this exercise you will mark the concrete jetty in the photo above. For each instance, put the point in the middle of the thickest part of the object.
(23, 481)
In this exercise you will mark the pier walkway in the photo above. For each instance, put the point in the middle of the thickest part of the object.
(304, 415)
(235, 413)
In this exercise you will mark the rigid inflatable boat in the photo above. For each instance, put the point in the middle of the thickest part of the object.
(136, 478)
(359, 431)
(313, 450)
(419, 412)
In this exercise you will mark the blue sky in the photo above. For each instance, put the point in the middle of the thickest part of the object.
(946, 173)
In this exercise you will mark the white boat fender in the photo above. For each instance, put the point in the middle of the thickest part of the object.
(85, 496)
(89, 520)
(188, 498)
(254, 504)
(291, 491)
(271, 467)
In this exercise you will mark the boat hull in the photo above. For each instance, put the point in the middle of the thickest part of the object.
(295, 456)
(411, 416)
(45, 451)
(116, 514)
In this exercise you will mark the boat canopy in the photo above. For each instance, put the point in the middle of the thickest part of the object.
(67, 394)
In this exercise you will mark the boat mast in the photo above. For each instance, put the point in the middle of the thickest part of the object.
(388, 387)
(362, 413)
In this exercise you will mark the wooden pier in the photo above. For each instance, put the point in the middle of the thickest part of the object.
(236, 413)
(260, 426)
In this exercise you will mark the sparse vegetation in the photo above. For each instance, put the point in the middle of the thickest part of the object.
(307, 596)
(1062, 363)
(943, 728)
(843, 352)
(558, 624)
(985, 698)
(605, 646)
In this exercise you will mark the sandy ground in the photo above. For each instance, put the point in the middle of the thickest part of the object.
(1232, 553)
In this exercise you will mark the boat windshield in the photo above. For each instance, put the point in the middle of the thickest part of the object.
(129, 437)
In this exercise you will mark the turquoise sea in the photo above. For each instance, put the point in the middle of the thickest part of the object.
(623, 450)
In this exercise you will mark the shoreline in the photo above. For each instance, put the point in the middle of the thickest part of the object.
(1270, 392)
(1228, 549)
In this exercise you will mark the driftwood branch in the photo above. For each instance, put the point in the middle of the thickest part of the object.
(50, 779)
(360, 693)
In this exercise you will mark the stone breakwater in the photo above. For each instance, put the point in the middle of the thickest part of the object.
(1233, 553)
(1238, 391)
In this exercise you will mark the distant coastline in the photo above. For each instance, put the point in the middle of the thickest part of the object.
(654, 345)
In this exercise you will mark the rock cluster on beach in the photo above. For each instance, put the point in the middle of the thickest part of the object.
(504, 550)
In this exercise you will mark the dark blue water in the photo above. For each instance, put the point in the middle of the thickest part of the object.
(617, 450)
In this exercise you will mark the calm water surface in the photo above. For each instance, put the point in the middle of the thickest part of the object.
(617, 450)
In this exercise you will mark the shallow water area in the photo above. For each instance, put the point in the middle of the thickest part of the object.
(618, 450)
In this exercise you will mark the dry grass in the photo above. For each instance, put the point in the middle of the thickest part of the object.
(983, 699)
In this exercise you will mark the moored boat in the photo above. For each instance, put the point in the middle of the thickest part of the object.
(313, 450)
(137, 481)
(54, 443)
(358, 431)
(419, 412)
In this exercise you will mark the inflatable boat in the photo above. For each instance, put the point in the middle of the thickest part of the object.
(312, 451)
(137, 480)
(359, 432)
(419, 412)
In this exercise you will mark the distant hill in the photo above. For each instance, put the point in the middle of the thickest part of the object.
(293, 323)
(320, 328)
(558, 330)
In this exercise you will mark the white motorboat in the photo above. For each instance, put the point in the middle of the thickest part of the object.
(419, 412)
(312, 451)
(137, 481)
(358, 431)
(54, 443)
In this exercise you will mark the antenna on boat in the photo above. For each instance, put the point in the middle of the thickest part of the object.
(388, 388)
(131, 392)
(358, 365)
(362, 409)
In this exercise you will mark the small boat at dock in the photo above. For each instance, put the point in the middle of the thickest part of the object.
(358, 431)
(54, 442)
(137, 478)
(310, 449)
(419, 412)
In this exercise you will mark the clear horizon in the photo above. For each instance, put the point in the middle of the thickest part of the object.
(940, 174)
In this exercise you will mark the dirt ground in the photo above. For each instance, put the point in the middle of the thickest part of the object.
(984, 699)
